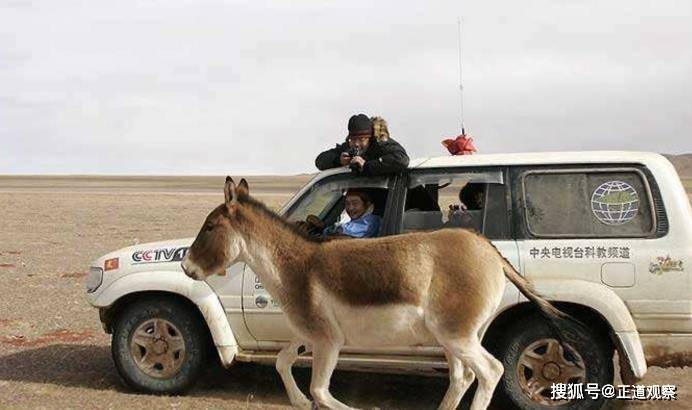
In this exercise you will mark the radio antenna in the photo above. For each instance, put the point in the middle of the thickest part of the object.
(461, 84)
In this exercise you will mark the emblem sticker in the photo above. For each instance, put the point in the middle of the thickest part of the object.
(615, 202)
(261, 301)
(159, 255)
(664, 265)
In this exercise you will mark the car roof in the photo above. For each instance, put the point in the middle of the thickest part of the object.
(537, 158)
(525, 158)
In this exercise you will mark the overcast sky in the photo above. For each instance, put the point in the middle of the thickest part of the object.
(218, 87)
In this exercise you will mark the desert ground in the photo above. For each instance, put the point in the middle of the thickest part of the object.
(53, 352)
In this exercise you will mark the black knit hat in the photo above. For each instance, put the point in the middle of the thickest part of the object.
(359, 125)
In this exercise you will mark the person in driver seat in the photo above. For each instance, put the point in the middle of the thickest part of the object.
(362, 224)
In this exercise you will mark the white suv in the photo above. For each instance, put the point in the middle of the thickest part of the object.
(606, 236)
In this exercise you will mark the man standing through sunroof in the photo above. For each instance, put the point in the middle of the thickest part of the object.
(368, 149)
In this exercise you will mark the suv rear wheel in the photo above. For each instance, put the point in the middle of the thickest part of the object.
(534, 359)
(159, 346)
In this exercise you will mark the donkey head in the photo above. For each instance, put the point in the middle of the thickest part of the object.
(218, 243)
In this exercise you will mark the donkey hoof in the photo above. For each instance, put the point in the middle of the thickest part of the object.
(304, 404)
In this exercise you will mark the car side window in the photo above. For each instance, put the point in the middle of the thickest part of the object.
(471, 199)
(325, 199)
(587, 203)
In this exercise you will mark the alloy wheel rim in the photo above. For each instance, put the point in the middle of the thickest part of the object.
(545, 362)
(158, 348)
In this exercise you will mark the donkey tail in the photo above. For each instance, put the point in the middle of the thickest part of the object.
(553, 315)
(526, 289)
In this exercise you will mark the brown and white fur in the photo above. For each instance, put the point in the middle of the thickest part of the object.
(398, 290)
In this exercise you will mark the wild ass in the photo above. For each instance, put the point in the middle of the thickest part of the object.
(398, 290)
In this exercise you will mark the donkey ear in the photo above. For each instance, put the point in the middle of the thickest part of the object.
(243, 190)
(229, 190)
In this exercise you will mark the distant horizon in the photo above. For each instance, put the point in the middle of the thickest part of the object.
(160, 175)
(242, 174)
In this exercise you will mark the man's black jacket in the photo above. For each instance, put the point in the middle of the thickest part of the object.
(383, 156)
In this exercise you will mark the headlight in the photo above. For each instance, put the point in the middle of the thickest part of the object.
(94, 279)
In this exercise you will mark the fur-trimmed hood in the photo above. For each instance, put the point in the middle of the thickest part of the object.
(379, 129)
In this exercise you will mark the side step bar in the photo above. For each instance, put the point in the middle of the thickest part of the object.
(381, 363)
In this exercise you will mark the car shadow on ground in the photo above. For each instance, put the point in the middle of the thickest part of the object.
(358, 389)
(91, 367)
(72, 365)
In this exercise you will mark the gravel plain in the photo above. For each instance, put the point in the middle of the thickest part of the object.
(54, 354)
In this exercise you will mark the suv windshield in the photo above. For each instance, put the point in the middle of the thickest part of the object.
(325, 199)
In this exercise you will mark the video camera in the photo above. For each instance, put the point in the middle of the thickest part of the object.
(353, 152)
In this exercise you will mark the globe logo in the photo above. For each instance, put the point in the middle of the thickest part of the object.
(615, 203)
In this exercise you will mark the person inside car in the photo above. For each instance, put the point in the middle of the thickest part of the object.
(471, 198)
(368, 149)
(362, 224)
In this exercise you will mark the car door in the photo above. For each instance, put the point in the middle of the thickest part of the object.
(432, 197)
(435, 200)
(263, 315)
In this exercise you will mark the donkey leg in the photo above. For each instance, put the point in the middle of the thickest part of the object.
(284, 361)
(460, 378)
(487, 369)
(324, 358)
(497, 370)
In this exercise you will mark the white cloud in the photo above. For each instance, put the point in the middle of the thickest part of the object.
(204, 87)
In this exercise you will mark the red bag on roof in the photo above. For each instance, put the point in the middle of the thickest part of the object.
(461, 145)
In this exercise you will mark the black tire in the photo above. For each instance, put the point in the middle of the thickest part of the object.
(595, 351)
(183, 319)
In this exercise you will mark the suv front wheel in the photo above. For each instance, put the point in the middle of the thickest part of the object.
(159, 346)
(534, 360)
